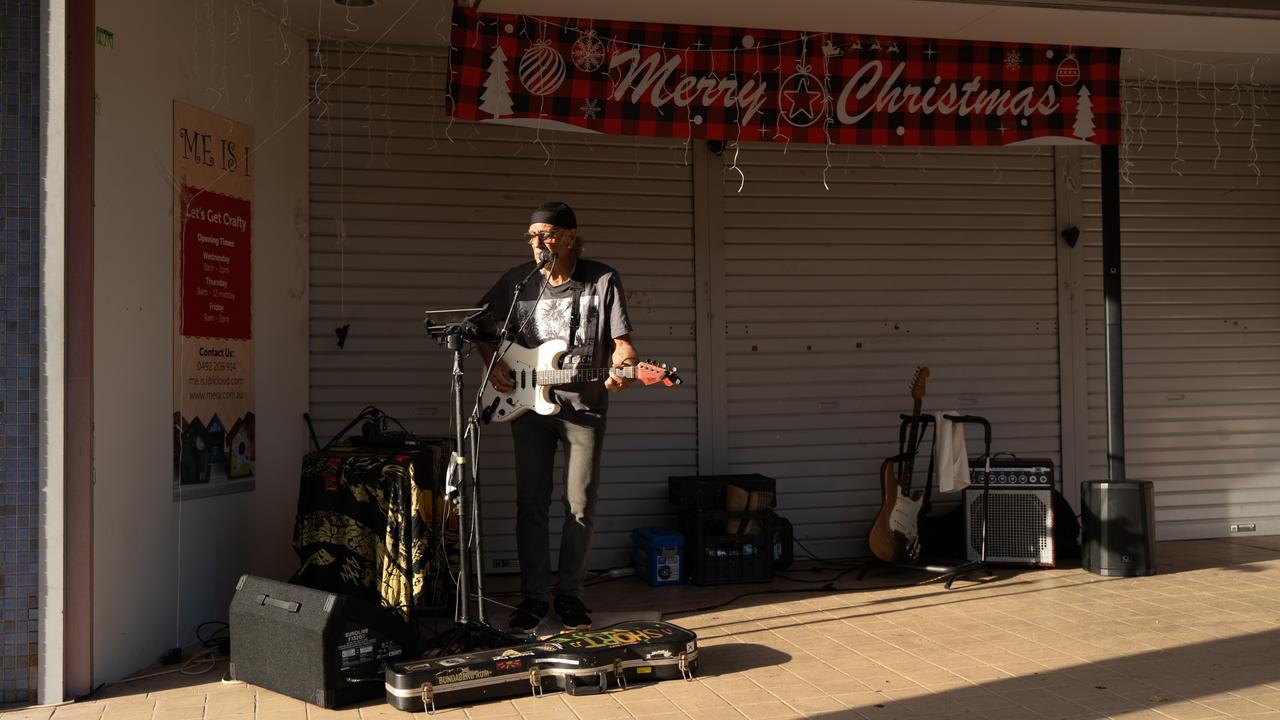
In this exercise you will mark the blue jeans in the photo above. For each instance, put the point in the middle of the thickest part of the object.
(536, 438)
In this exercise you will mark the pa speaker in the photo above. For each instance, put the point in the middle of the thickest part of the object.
(1019, 525)
(321, 647)
(1118, 528)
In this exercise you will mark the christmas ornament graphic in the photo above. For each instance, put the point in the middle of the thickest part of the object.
(802, 98)
(542, 68)
(1068, 71)
(588, 52)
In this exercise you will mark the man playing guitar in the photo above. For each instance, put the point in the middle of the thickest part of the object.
(581, 302)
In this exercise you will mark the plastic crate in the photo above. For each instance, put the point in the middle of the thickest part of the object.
(707, 492)
(658, 555)
(716, 556)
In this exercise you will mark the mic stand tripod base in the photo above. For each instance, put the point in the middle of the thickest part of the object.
(950, 572)
(469, 636)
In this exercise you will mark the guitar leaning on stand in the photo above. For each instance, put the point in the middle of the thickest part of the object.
(895, 534)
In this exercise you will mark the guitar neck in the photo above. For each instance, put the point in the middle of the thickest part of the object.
(560, 377)
(908, 464)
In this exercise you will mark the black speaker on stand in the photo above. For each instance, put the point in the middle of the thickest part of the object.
(1118, 528)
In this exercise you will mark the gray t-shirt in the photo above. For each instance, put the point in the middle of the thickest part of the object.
(601, 317)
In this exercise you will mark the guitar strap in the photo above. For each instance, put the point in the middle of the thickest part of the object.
(575, 313)
(927, 504)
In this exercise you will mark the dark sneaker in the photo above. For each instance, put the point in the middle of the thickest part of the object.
(572, 613)
(527, 616)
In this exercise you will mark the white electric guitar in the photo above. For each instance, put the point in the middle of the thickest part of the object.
(536, 370)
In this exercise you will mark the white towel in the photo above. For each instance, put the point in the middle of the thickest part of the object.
(950, 457)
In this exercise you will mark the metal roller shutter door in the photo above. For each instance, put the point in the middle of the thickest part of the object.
(431, 222)
(943, 258)
(1201, 293)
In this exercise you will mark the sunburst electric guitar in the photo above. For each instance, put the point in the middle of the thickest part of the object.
(895, 535)
(536, 370)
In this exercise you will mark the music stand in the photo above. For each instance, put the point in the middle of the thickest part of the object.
(456, 329)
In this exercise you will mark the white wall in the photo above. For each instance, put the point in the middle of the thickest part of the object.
(161, 568)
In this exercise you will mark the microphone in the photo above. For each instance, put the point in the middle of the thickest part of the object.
(544, 259)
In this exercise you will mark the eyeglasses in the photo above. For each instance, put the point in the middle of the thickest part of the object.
(542, 236)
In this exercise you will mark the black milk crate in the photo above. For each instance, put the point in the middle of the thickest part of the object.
(724, 547)
(707, 492)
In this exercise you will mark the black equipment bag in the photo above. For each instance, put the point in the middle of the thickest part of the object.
(580, 663)
(325, 648)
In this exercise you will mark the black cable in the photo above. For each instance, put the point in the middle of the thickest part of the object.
(602, 578)
(89, 695)
(212, 640)
(814, 556)
(831, 580)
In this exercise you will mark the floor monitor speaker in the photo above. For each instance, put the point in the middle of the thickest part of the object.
(325, 648)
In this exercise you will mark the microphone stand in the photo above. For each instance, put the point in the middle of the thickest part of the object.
(468, 634)
(471, 634)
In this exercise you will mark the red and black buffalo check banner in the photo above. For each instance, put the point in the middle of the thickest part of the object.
(715, 83)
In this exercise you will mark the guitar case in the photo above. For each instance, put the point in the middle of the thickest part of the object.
(581, 663)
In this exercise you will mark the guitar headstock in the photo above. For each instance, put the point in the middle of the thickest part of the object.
(917, 383)
(649, 372)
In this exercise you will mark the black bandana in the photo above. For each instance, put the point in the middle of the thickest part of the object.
(555, 213)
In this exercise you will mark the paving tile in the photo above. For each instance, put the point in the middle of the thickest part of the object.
(80, 711)
(813, 706)
(1235, 706)
(34, 713)
(1189, 711)
(492, 711)
(138, 708)
(650, 706)
(772, 710)
(561, 713)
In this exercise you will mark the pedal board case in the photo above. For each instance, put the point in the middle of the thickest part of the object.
(581, 663)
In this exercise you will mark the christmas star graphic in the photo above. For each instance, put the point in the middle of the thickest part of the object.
(801, 95)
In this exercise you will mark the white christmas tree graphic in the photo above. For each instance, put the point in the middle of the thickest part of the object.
(496, 98)
(1083, 128)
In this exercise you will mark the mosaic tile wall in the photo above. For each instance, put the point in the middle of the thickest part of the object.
(20, 65)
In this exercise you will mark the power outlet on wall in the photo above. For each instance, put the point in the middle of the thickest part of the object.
(1243, 527)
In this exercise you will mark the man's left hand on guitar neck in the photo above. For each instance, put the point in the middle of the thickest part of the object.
(624, 355)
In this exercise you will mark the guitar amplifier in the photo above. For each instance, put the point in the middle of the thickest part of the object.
(1013, 472)
(1020, 528)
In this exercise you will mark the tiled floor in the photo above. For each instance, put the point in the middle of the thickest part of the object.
(1199, 640)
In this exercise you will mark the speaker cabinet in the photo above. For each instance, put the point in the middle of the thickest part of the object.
(321, 647)
(1118, 528)
(1020, 528)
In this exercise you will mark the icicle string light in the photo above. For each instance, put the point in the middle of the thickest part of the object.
(1244, 99)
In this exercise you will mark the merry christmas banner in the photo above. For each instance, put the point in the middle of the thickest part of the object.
(686, 81)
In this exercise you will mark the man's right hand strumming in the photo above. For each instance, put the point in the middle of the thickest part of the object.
(500, 378)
